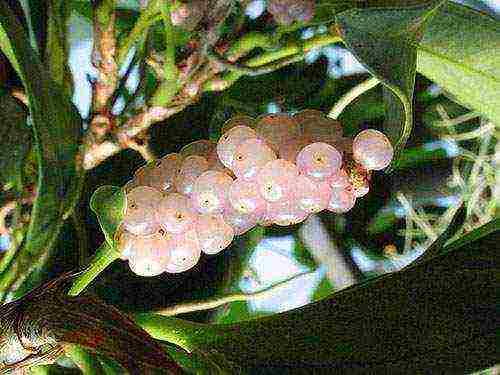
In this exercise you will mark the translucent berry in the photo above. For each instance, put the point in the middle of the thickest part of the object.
(244, 197)
(185, 253)
(125, 244)
(139, 217)
(192, 167)
(229, 142)
(251, 155)
(319, 160)
(342, 200)
(214, 233)
(285, 212)
(240, 223)
(210, 192)
(132, 184)
(161, 176)
(215, 164)
(317, 127)
(275, 180)
(238, 120)
(340, 180)
(277, 129)
(312, 196)
(202, 148)
(175, 213)
(372, 149)
(290, 149)
(150, 255)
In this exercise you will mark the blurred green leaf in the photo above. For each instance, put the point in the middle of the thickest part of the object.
(15, 140)
(56, 128)
(109, 204)
(460, 51)
(324, 289)
(384, 40)
(382, 325)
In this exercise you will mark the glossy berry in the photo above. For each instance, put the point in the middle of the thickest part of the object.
(210, 191)
(342, 200)
(285, 12)
(185, 253)
(244, 197)
(312, 196)
(238, 120)
(191, 168)
(277, 129)
(150, 255)
(161, 175)
(202, 148)
(372, 149)
(250, 157)
(240, 222)
(275, 180)
(319, 160)
(175, 213)
(214, 233)
(229, 142)
(139, 216)
(285, 212)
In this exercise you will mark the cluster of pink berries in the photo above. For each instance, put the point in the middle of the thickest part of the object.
(276, 169)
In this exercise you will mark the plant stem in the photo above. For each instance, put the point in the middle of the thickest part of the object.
(105, 255)
(212, 303)
(351, 95)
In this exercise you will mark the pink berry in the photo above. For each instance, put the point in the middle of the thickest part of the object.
(185, 253)
(192, 167)
(240, 223)
(139, 216)
(229, 142)
(372, 149)
(342, 200)
(317, 127)
(275, 180)
(285, 212)
(277, 129)
(244, 197)
(340, 180)
(290, 149)
(175, 213)
(251, 155)
(312, 197)
(238, 120)
(319, 160)
(150, 255)
(161, 176)
(214, 233)
(210, 192)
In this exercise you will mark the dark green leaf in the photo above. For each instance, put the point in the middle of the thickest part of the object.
(56, 128)
(15, 140)
(384, 40)
(109, 204)
(460, 51)
(486, 230)
(384, 325)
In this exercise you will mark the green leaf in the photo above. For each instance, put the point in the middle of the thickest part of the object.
(384, 325)
(460, 51)
(56, 128)
(109, 204)
(486, 230)
(384, 40)
(16, 138)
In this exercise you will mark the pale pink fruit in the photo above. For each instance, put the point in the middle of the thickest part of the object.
(139, 216)
(229, 142)
(185, 253)
(175, 213)
(317, 127)
(251, 155)
(150, 255)
(245, 198)
(192, 167)
(319, 160)
(240, 223)
(342, 200)
(285, 212)
(372, 149)
(161, 175)
(214, 233)
(312, 196)
(277, 129)
(125, 244)
(275, 180)
(210, 192)
(290, 149)
(238, 120)
(215, 164)
(340, 180)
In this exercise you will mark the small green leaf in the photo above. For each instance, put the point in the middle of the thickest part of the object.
(460, 51)
(16, 138)
(385, 40)
(109, 204)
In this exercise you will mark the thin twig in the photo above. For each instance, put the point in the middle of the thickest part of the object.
(422, 224)
(212, 303)
(351, 95)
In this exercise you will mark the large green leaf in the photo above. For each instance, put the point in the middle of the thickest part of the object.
(384, 40)
(56, 129)
(460, 51)
(15, 140)
(437, 316)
